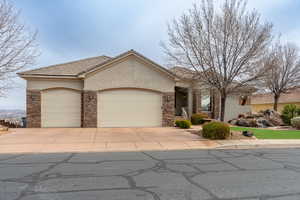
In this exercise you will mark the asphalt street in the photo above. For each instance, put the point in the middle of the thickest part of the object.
(260, 174)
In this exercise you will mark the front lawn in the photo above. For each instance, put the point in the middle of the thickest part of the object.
(270, 134)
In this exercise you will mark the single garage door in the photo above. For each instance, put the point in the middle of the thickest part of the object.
(61, 108)
(129, 108)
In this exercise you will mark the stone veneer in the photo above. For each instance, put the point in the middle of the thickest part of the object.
(33, 108)
(89, 109)
(168, 109)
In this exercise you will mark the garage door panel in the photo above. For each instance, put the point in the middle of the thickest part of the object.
(61, 108)
(129, 108)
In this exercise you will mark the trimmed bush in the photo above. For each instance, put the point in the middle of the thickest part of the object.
(198, 118)
(289, 112)
(184, 124)
(216, 131)
(296, 122)
(177, 123)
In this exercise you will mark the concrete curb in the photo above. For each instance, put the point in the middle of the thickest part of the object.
(259, 146)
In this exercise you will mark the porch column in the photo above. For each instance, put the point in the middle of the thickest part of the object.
(197, 101)
(190, 101)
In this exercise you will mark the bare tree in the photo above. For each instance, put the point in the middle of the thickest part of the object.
(224, 46)
(17, 44)
(284, 74)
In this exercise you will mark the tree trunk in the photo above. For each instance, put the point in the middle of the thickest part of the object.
(276, 99)
(222, 109)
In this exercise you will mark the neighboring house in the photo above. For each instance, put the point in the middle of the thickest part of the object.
(125, 91)
(265, 101)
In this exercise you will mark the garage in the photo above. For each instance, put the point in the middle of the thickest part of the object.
(60, 108)
(129, 108)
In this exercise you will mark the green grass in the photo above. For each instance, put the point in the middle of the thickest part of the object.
(270, 134)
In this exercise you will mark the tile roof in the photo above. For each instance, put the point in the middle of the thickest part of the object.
(81, 67)
(68, 69)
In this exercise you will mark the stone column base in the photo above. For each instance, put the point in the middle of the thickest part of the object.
(89, 109)
(168, 109)
(33, 108)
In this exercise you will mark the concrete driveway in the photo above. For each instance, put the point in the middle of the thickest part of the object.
(99, 140)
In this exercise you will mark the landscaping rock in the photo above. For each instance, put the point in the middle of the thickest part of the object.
(242, 122)
(257, 115)
(263, 123)
(233, 122)
(248, 133)
(273, 117)
(263, 119)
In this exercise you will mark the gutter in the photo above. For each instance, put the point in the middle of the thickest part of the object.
(47, 76)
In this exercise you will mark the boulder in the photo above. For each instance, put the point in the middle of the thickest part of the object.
(247, 122)
(247, 133)
(233, 122)
(257, 115)
(263, 119)
(263, 123)
(273, 117)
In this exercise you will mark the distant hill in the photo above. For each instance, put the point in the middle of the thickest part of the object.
(12, 113)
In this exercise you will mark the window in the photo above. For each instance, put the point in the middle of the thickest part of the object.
(206, 102)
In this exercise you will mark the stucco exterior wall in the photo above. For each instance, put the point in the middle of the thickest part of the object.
(233, 108)
(130, 73)
(41, 84)
(259, 107)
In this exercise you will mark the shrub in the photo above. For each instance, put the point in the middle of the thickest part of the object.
(289, 112)
(216, 131)
(177, 123)
(198, 118)
(184, 124)
(296, 122)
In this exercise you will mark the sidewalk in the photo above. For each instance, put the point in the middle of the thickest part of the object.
(121, 139)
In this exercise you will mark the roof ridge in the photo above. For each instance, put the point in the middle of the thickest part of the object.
(70, 62)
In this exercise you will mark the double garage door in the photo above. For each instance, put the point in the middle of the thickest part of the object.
(129, 108)
(116, 108)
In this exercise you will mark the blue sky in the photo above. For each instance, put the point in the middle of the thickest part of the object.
(75, 29)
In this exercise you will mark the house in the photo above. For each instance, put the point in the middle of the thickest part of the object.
(266, 101)
(128, 90)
